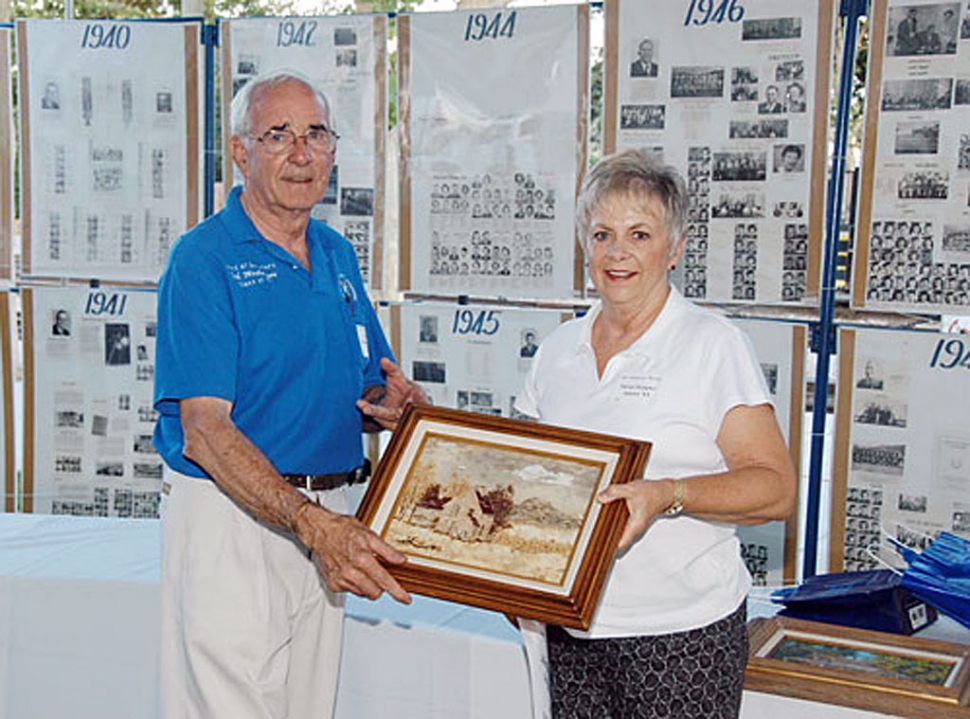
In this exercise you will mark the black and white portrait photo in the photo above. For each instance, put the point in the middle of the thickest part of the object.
(644, 65)
(428, 331)
(117, 344)
(51, 99)
(871, 377)
(61, 326)
(789, 158)
(771, 104)
(163, 102)
(529, 344)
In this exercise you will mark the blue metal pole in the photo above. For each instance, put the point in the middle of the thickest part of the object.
(824, 332)
(210, 36)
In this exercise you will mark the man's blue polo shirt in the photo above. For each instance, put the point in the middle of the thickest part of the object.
(241, 319)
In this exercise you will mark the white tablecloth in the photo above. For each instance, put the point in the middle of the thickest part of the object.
(79, 635)
(79, 638)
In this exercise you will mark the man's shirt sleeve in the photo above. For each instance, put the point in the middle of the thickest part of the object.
(197, 343)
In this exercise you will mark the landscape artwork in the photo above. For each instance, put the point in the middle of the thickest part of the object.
(511, 511)
(894, 665)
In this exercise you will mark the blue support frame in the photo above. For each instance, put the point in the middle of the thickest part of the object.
(210, 39)
(823, 333)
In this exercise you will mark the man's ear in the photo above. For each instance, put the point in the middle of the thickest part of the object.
(239, 154)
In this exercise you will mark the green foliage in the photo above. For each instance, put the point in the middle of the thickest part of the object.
(596, 108)
(247, 8)
(858, 106)
(395, 5)
(93, 9)
(129, 9)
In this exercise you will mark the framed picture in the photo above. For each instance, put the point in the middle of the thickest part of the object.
(501, 513)
(891, 673)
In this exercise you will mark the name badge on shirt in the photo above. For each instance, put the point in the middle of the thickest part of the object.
(635, 387)
(362, 338)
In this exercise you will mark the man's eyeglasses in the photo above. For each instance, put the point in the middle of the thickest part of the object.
(318, 140)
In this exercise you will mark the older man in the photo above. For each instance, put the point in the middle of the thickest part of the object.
(266, 344)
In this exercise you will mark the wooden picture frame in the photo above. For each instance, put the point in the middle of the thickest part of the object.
(891, 673)
(500, 513)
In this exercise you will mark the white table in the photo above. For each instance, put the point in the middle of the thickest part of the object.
(79, 639)
(79, 635)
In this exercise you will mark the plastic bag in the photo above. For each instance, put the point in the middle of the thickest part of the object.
(940, 574)
(873, 600)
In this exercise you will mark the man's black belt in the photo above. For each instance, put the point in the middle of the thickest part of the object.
(321, 482)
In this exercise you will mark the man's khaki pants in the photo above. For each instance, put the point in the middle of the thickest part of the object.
(249, 630)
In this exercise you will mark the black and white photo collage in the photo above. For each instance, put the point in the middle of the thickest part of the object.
(471, 357)
(488, 227)
(744, 191)
(881, 463)
(918, 243)
(794, 276)
(755, 557)
(863, 528)
(698, 222)
(732, 108)
(93, 363)
(915, 262)
(128, 503)
(357, 232)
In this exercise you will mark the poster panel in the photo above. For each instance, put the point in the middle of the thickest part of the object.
(770, 550)
(470, 357)
(7, 459)
(89, 367)
(111, 134)
(902, 451)
(734, 95)
(345, 57)
(6, 159)
(492, 110)
(913, 245)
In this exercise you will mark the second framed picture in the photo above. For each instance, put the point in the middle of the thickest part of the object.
(878, 671)
(500, 513)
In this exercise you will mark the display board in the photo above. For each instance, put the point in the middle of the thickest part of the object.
(6, 158)
(902, 451)
(89, 366)
(770, 549)
(476, 357)
(734, 95)
(345, 56)
(470, 357)
(111, 145)
(913, 244)
(492, 108)
(6, 411)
